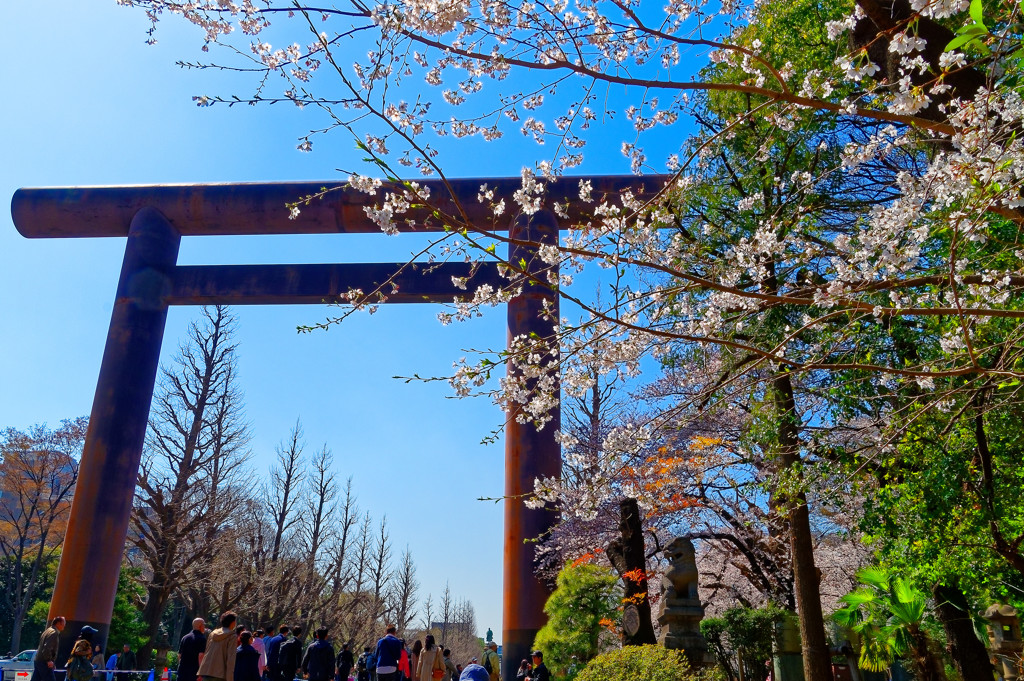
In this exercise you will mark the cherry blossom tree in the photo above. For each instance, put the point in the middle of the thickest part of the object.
(809, 277)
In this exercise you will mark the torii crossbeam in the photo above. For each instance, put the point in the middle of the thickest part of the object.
(154, 218)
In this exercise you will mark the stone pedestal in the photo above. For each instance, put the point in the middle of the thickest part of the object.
(680, 610)
(788, 662)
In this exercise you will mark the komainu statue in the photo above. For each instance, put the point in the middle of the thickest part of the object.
(680, 611)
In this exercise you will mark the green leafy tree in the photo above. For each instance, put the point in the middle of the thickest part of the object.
(126, 624)
(744, 635)
(584, 604)
(888, 613)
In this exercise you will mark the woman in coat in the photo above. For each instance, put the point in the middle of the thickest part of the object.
(414, 660)
(247, 660)
(431, 661)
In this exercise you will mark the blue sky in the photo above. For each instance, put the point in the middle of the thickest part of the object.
(89, 103)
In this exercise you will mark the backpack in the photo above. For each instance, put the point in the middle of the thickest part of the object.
(79, 669)
(361, 663)
(487, 662)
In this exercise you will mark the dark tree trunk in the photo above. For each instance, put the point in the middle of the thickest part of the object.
(817, 659)
(965, 648)
(926, 664)
(629, 558)
(152, 615)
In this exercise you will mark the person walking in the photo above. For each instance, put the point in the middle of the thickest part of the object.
(431, 662)
(404, 669)
(540, 671)
(318, 661)
(46, 652)
(274, 652)
(97, 660)
(125, 664)
(363, 665)
(218, 662)
(191, 649)
(290, 655)
(453, 671)
(490, 661)
(247, 659)
(111, 666)
(344, 663)
(414, 660)
(79, 664)
(389, 650)
(261, 648)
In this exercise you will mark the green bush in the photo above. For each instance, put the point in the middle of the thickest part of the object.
(583, 606)
(642, 663)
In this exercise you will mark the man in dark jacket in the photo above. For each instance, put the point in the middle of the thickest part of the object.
(540, 671)
(125, 663)
(344, 663)
(191, 649)
(318, 662)
(46, 651)
(274, 652)
(290, 655)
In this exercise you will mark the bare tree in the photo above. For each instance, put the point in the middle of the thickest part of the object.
(381, 571)
(194, 456)
(285, 490)
(344, 536)
(38, 470)
(447, 611)
(402, 593)
(462, 638)
(428, 611)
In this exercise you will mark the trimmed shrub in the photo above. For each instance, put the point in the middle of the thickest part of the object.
(641, 663)
(582, 608)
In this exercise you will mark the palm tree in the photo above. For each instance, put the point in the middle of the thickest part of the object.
(887, 612)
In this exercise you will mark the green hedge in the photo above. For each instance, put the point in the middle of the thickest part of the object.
(642, 663)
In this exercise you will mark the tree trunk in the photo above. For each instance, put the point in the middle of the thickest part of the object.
(16, 627)
(628, 556)
(927, 667)
(965, 648)
(816, 657)
(152, 615)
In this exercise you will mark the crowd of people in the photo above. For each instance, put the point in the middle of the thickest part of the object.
(233, 652)
(86, 660)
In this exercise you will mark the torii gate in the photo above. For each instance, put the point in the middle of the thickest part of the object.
(154, 218)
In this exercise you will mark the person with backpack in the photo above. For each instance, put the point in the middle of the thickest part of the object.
(491, 663)
(363, 665)
(290, 656)
(79, 665)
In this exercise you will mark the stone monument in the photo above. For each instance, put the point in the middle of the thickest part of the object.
(680, 611)
(1004, 638)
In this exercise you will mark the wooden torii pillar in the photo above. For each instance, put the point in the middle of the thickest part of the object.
(154, 219)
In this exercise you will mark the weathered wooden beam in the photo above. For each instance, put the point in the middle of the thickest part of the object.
(312, 284)
(260, 208)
